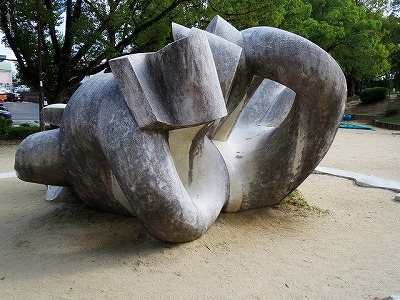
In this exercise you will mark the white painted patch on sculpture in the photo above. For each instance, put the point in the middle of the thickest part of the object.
(198, 166)
(239, 155)
(119, 194)
(53, 192)
(298, 154)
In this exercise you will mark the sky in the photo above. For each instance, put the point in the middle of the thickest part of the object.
(6, 51)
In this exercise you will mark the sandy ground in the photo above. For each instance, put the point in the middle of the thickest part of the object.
(347, 248)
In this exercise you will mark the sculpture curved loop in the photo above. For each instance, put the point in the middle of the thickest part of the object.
(219, 120)
(276, 157)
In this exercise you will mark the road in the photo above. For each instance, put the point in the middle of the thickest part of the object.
(23, 112)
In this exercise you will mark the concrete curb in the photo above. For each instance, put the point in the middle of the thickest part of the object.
(362, 179)
(375, 122)
(386, 125)
(8, 175)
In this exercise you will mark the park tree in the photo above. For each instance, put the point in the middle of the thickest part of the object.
(249, 13)
(391, 26)
(95, 31)
(352, 32)
(355, 32)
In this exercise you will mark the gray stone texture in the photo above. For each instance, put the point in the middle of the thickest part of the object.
(222, 120)
(38, 159)
(275, 160)
(182, 91)
(52, 114)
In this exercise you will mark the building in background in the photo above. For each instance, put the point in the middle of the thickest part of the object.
(5, 75)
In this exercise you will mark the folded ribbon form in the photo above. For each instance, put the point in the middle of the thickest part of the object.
(220, 120)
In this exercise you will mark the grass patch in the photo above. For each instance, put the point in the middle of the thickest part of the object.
(295, 200)
(392, 114)
(391, 120)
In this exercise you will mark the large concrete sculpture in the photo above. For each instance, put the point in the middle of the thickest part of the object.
(220, 120)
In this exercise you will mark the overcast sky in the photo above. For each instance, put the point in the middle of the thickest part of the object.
(6, 51)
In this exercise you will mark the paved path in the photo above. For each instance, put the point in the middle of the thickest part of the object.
(23, 111)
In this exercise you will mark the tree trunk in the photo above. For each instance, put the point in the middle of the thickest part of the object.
(352, 86)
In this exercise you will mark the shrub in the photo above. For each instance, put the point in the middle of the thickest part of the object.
(372, 95)
(19, 133)
(5, 124)
(392, 111)
(8, 132)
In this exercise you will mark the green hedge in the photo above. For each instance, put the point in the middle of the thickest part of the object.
(4, 125)
(8, 132)
(372, 95)
(19, 133)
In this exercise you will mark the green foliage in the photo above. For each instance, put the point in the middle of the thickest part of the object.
(8, 132)
(4, 126)
(19, 133)
(362, 35)
(392, 110)
(295, 198)
(353, 33)
(95, 31)
(391, 120)
(372, 95)
(248, 13)
(5, 122)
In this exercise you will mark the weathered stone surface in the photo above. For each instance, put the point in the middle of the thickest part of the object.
(275, 160)
(52, 114)
(179, 31)
(226, 58)
(226, 55)
(192, 96)
(243, 80)
(225, 30)
(157, 139)
(142, 164)
(38, 159)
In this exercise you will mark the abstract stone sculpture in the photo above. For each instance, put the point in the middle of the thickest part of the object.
(218, 120)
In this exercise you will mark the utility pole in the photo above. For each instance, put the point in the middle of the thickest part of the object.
(41, 121)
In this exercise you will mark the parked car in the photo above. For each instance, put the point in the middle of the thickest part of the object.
(12, 97)
(21, 88)
(5, 114)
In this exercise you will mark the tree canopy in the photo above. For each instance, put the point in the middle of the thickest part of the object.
(362, 35)
(95, 31)
(352, 33)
